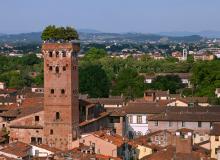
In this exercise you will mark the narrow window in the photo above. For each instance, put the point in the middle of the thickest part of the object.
(64, 68)
(57, 54)
(139, 119)
(183, 124)
(130, 119)
(51, 132)
(37, 118)
(199, 124)
(50, 54)
(50, 68)
(170, 124)
(62, 91)
(57, 115)
(52, 91)
(64, 53)
(156, 123)
(57, 69)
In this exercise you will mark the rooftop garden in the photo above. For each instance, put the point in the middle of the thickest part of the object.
(53, 33)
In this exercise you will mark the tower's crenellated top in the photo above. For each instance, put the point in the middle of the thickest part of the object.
(74, 46)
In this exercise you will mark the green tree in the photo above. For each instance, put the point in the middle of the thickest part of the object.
(52, 32)
(93, 81)
(168, 82)
(129, 83)
(95, 54)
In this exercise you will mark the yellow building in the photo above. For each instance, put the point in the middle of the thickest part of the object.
(215, 140)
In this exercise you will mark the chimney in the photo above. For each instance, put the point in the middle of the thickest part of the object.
(184, 141)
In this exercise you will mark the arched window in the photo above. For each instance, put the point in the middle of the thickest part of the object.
(51, 131)
(50, 54)
(57, 69)
(57, 115)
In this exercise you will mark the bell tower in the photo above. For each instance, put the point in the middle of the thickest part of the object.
(61, 104)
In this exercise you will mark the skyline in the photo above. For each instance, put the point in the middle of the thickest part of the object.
(152, 16)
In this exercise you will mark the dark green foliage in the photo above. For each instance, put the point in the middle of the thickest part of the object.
(95, 54)
(206, 77)
(129, 83)
(16, 71)
(93, 81)
(168, 82)
(59, 33)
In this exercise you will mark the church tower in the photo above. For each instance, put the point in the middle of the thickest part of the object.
(61, 104)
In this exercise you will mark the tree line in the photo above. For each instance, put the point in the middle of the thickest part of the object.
(101, 75)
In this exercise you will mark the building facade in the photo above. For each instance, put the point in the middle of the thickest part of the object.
(61, 104)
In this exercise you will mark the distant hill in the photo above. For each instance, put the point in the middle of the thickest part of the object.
(88, 31)
(208, 34)
(102, 37)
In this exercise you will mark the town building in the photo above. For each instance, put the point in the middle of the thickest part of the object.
(108, 143)
(217, 92)
(215, 140)
(2, 85)
(204, 57)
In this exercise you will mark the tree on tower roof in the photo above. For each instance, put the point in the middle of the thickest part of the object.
(53, 33)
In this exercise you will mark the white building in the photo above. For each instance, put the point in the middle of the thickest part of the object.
(2, 85)
(217, 92)
(137, 117)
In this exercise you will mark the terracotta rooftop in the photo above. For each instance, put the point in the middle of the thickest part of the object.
(107, 101)
(143, 108)
(51, 149)
(116, 111)
(18, 148)
(186, 116)
(169, 153)
(102, 115)
(8, 91)
(184, 130)
(21, 112)
(113, 138)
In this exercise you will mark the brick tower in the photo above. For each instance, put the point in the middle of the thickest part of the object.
(61, 104)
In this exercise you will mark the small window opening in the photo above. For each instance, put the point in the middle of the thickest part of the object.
(51, 131)
(50, 54)
(50, 68)
(57, 54)
(64, 68)
(62, 91)
(37, 118)
(52, 91)
(57, 115)
(64, 53)
(57, 69)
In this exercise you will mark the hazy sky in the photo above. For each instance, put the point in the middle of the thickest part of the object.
(148, 16)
